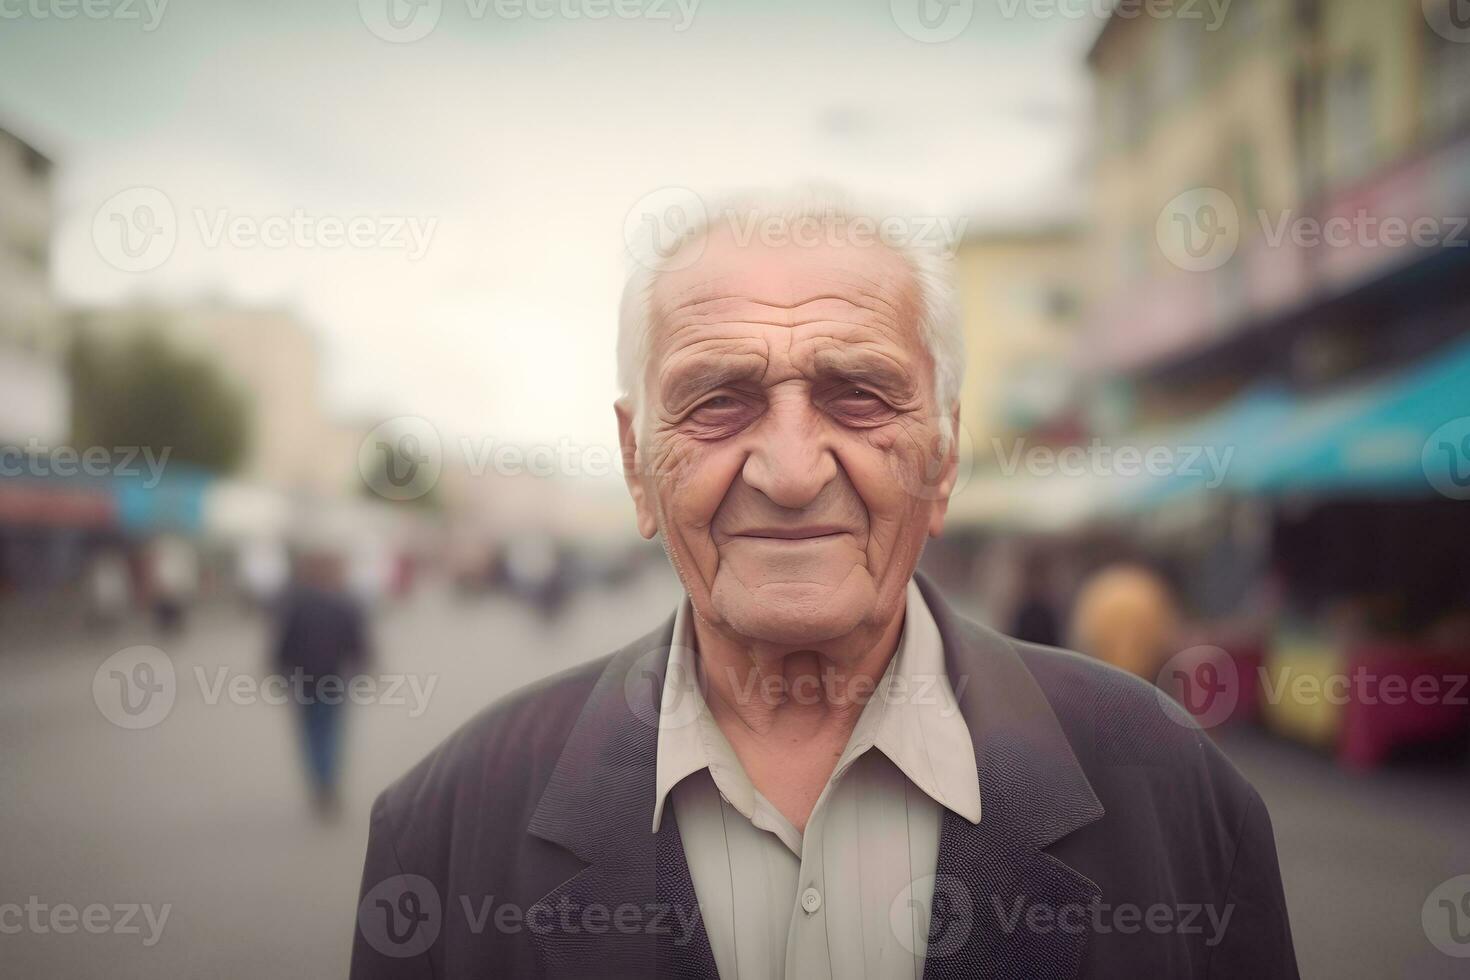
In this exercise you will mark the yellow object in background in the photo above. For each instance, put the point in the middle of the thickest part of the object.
(1295, 689)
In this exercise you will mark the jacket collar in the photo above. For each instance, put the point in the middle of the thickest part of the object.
(597, 801)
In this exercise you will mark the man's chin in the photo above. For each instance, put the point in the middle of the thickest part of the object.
(795, 613)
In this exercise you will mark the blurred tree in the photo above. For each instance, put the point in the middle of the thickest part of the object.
(138, 390)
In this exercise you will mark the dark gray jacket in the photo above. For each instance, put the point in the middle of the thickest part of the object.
(1116, 840)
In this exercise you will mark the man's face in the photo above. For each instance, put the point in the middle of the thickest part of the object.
(789, 447)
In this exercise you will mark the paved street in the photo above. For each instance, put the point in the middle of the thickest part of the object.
(205, 812)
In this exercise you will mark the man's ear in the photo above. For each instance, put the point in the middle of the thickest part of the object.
(948, 474)
(628, 442)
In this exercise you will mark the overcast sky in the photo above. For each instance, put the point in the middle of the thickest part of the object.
(516, 147)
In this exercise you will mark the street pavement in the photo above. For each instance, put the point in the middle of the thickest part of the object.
(204, 813)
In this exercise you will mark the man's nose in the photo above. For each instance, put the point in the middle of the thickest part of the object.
(790, 461)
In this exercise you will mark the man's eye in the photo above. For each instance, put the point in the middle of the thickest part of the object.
(860, 401)
(719, 410)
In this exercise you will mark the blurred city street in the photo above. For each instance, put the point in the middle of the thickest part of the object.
(206, 812)
(310, 340)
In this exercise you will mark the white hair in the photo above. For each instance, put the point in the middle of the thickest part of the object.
(914, 240)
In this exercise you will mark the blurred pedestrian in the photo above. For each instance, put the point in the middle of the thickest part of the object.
(175, 581)
(322, 636)
(1125, 616)
(265, 571)
(109, 588)
(1035, 620)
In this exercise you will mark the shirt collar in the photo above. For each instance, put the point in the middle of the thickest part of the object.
(913, 718)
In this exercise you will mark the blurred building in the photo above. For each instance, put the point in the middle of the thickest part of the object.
(274, 360)
(1019, 290)
(38, 529)
(1280, 249)
(33, 397)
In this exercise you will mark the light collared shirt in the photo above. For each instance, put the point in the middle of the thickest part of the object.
(850, 897)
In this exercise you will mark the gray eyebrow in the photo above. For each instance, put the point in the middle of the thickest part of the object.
(705, 374)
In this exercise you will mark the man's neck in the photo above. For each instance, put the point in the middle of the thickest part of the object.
(768, 690)
(789, 713)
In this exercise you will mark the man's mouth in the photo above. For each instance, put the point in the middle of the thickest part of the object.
(812, 532)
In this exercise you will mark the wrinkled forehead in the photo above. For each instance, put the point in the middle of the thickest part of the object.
(733, 281)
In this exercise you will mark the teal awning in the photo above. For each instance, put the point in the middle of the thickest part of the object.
(1205, 452)
(1374, 437)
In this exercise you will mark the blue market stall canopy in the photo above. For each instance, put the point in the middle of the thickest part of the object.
(1404, 434)
(1202, 456)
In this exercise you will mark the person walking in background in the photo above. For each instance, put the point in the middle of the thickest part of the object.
(1036, 614)
(175, 581)
(321, 633)
(1125, 616)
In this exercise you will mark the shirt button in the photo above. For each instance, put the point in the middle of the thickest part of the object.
(811, 900)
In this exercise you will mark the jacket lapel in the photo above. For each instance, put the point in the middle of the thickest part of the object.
(993, 875)
(632, 911)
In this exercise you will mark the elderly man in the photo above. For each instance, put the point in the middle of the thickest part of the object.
(815, 768)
